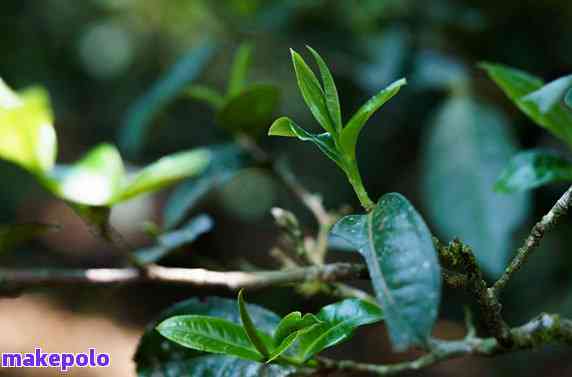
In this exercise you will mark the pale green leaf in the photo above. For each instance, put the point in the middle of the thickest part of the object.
(550, 95)
(239, 69)
(205, 94)
(534, 168)
(350, 134)
(568, 99)
(403, 266)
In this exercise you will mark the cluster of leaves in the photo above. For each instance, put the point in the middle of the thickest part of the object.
(550, 107)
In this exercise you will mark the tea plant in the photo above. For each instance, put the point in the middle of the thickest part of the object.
(406, 264)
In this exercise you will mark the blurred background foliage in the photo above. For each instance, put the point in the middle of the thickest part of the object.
(441, 142)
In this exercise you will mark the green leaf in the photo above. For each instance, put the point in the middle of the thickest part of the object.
(350, 134)
(468, 145)
(140, 115)
(517, 85)
(291, 323)
(172, 241)
(251, 110)
(403, 266)
(330, 91)
(568, 99)
(531, 169)
(312, 93)
(550, 95)
(94, 180)
(158, 356)
(289, 341)
(239, 69)
(165, 172)
(14, 234)
(209, 334)
(221, 366)
(205, 94)
(225, 162)
(286, 127)
(250, 328)
(27, 136)
(338, 322)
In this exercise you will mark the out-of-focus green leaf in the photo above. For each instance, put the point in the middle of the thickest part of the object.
(209, 334)
(239, 69)
(338, 322)
(312, 93)
(286, 127)
(164, 172)
(141, 114)
(251, 110)
(468, 146)
(94, 180)
(205, 94)
(171, 241)
(350, 133)
(14, 234)
(568, 98)
(157, 355)
(551, 94)
(403, 266)
(250, 329)
(531, 169)
(330, 90)
(27, 136)
(518, 85)
(225, 162)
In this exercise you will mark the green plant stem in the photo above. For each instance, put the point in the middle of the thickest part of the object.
(355, 180)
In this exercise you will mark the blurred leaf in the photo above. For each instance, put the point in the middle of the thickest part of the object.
(225, 162)
(172, 241)
(550, 95)
(350, 134)
(403, 266)
(531, 169)
(250, 329)
(312, 93)
(94, 180)
(156, 355)
(286, 127)
(14, 234)
(250, 111)
(330, 91)
(209, 334)
(140, 115)
(468, 145)
(568, 99)
(517, 85)
(292, 323)
(164, 172)
(27, 136)
(339, 321)
(435, 70)
(205, 94)
(239, 69)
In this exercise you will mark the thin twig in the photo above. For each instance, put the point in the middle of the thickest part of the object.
(533, 240)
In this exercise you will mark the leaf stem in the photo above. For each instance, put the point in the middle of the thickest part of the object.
(355, 180)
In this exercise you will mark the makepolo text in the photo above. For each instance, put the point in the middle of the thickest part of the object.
(64, 361)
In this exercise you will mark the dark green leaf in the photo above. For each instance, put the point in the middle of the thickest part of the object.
(403, 266)
(250, 328)
(467, 147)
(205, 94)
(140, 115)
(350, 133)
(239, 69)
(551, 94)
(531, 169)
(209, 334)
(312, 93)
(339, 321)
(330, 91)
(171, 241)
(517, 85)
(225, 162)
(157, 356)
(568, 99)
(165, 172)
(14, 234)
(251, 110)
(27, 136)
(286, 127)
(221, 366)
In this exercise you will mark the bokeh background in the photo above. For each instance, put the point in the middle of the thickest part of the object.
(97, 57)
